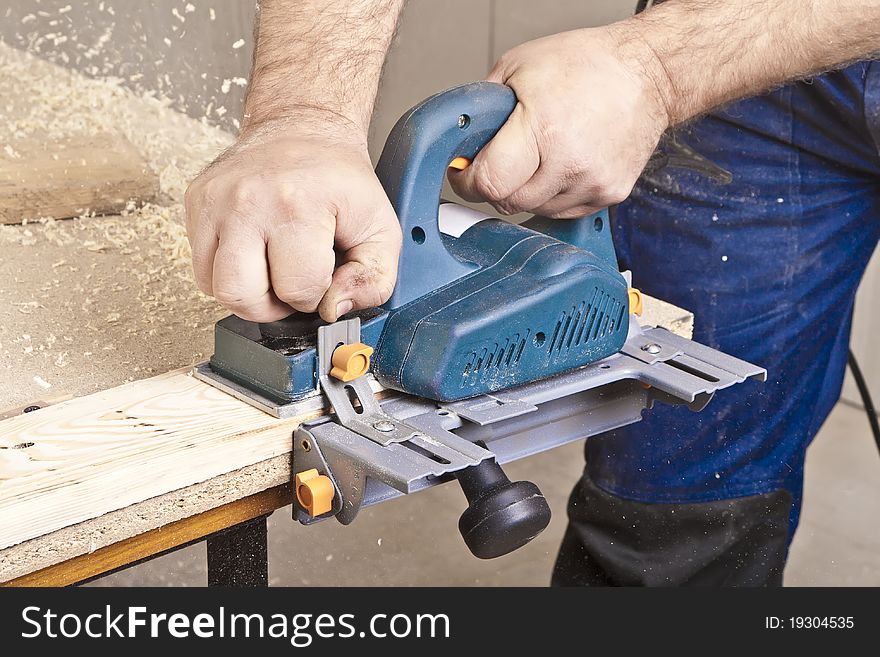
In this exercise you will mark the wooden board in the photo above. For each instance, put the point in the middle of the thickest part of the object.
(111, 533)
(156, 541)
(72, 176)
(85, 457)
(97, 470)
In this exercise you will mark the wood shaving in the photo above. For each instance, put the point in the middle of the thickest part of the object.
(60, 103)
(119, 289)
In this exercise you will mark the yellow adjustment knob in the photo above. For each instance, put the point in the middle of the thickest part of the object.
(460, 163)
(314, 492)
(636, 304)
(350, 361)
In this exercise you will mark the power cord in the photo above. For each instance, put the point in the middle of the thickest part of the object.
(866, 397)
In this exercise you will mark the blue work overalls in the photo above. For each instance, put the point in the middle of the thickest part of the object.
(769, 264)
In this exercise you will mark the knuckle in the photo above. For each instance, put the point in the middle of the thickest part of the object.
(508, 207)
(258, 313)
(193, 222)
(571, 213)
(294, 197)
(195, 186)
(200, 260)
(192, 200)
(230, 296)
(576, 168)
(573, 165)
(301, 295)
(243, 194)
(204, 285)
(392, 235)
(508, 60)
(362, 275)
(489, 182)
(369, 282)
(384, 288)
(554, 137)
(248, 314)
(201, 191)
(549, 131)
(616, 192)
(502, 65)
(502, 61)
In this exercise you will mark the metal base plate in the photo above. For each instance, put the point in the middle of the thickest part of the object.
(654, 366)
(316, 402)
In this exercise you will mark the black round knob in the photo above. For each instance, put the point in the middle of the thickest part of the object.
(502, 516)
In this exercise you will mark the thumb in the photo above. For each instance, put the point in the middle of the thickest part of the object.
(366, 277)
(503, 166)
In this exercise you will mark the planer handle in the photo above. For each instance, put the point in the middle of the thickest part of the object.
(449, 129)
(455, 123)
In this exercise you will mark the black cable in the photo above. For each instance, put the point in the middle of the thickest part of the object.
(866, 397)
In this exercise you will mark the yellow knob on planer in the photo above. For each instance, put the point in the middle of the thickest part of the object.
(350, 361)
(314, 492)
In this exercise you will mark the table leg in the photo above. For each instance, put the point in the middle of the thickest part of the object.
(239, 556)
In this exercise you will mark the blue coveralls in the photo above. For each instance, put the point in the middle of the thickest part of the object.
(769, 264)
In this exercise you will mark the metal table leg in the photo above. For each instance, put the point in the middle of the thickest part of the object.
(239, 556)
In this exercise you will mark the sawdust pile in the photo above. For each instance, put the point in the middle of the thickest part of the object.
(168, 48)
(59, 103)
(88, 303)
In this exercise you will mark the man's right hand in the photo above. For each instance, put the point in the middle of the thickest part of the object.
(264, 218)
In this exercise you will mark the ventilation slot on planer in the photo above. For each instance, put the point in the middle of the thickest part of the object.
(495, 358)
(591, 320)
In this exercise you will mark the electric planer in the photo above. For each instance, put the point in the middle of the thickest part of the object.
(498, 342)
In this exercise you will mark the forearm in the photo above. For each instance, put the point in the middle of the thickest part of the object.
(317, 58)
(705, 53)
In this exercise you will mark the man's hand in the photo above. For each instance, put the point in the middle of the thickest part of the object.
(264, 218)
(590, 113)
(296, 196)
(594, 102)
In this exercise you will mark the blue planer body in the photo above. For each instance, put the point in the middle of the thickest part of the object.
(477, 310)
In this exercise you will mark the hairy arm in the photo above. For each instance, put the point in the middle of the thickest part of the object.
(710, 52)
(292, 217)
(319, 57)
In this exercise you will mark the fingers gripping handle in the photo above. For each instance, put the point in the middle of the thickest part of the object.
(454, 123)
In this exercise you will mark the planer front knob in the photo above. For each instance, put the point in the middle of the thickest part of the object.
(502, 515)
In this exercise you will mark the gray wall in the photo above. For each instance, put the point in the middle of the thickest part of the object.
(443, 43)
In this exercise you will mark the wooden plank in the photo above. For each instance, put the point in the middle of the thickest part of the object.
(33, 406)
(156, 541)
(118, 526)
(72, 176)
(82, 458)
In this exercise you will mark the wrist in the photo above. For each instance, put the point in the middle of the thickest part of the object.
(304, 121)
(643, 58)
(312, 114)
